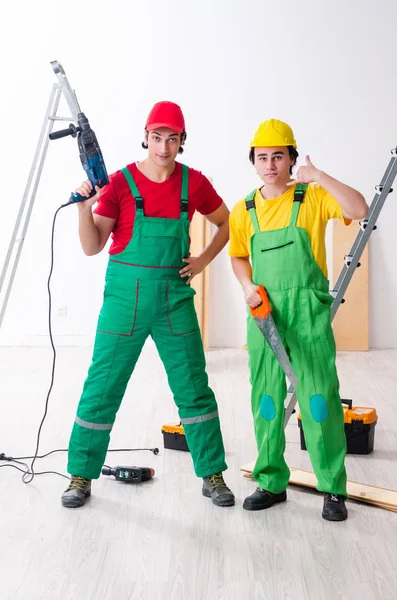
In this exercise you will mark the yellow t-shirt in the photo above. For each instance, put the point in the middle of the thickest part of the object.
(315, 211)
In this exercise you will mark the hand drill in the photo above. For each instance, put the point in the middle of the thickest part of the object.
(90, 154)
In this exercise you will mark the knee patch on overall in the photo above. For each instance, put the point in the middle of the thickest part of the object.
(267, 408)
(318, 408)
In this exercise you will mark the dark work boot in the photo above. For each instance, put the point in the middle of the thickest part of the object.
(262, 499)
(78, 491)
(215, 488)
(334, 508)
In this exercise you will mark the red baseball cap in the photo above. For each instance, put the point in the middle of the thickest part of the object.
(166, 114)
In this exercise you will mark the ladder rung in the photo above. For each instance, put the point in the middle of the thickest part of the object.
(348, 259)
(334, 293)
(379, 188)
(364, 223)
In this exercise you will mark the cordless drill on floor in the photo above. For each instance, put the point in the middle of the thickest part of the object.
(129, 474)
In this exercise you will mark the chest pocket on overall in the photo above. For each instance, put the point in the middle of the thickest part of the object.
(162, 241)
(118, 312)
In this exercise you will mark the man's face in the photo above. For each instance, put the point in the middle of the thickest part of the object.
(273, 164)
(163, 145)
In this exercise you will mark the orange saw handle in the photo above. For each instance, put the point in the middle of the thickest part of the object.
(264, 309)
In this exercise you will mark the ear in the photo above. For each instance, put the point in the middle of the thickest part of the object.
(182, 142)
(145, 138)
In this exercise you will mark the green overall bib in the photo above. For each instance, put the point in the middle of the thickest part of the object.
(145, 295)
(283, 262)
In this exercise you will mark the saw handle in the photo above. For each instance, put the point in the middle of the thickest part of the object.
(264, 309)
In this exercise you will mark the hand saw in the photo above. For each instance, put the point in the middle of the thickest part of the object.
(264, 320)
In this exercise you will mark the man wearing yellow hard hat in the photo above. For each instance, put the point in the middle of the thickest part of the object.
(277, 239)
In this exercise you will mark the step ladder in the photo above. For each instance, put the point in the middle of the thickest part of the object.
(18, 236)
(352, 260)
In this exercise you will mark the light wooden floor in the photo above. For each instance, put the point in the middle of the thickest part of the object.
(162, 539)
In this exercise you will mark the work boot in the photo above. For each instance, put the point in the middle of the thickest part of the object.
(334, 508)
(215, 488)
(262, 499)
(78, 491)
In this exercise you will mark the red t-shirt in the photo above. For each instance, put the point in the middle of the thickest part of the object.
(159, 200)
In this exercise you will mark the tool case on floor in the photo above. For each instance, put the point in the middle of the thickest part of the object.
(174, 437)
(360, 424)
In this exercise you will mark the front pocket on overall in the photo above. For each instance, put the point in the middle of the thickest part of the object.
(315, 316)
(322, 297)
(120, 302)
(181, 314)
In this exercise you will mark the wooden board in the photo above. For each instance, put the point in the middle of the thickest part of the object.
(377, 496)
(351, 320)
(200, 232)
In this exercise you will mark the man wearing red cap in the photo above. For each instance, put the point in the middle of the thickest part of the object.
(147, 208)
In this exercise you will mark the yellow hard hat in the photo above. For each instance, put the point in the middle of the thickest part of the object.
(273, 133)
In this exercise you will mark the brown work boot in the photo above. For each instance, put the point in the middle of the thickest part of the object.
(77, 493)
(215, 488)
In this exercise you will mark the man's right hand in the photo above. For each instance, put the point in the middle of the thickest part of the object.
(85, 190)
(251, 294)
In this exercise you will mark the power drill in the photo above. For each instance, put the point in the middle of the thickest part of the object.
(90, 154)
(129, 474)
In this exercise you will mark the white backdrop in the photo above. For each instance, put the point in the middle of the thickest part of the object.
(326, 68)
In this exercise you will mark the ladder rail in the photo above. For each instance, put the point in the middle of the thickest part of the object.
(361, 240)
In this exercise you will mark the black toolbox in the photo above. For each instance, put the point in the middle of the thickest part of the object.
(174, 437)
(360, 422)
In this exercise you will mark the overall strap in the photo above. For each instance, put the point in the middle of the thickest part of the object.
(184, 192)
(250, 206)
(134, 189)
(299, 194)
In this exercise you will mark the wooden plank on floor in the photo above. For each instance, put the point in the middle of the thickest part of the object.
(377, 496)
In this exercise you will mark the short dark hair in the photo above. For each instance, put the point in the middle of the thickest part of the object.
(293, 153)
(183, 139)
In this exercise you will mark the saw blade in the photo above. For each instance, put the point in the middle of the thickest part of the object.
(272, 336)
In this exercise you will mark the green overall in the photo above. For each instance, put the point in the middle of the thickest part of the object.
(145, 295)
(283, 262)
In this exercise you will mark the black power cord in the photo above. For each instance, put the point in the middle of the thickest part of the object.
(29, 473)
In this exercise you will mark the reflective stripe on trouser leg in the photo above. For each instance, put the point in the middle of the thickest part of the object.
(267, 403)
(184, 360)
(322, 415)
(200, 418)
(113, 361)
(98, 426)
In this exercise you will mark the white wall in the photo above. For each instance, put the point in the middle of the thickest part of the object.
(326, 68)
